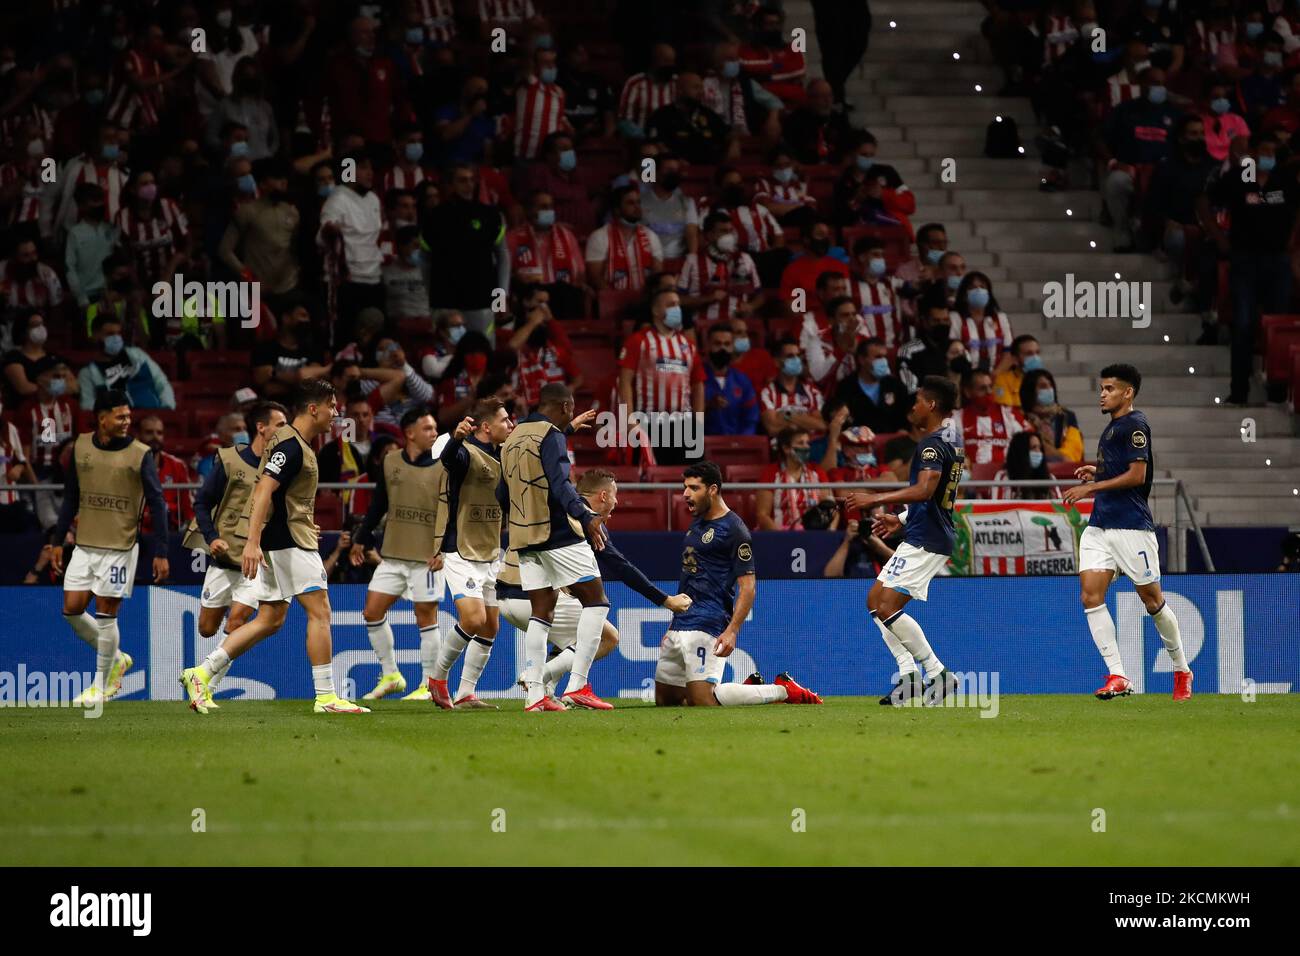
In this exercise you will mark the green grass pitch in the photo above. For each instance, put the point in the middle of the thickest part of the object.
(1214, 781)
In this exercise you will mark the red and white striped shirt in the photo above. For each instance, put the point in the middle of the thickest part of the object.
(31, 113)
(727, 99)
(546, 255)
(152, 241)
(642, 95)
(108, 176)
(539, 111)
(39, 292)
(985, 338)
(877, 300)
(11, 453)
(736, 275)
(789, 504)
(827, 364)
(131, 108)
(1219, 46)
(439, 19)
(795, 191)
(755, 224)
(986, 433)
(506, 11)
(399, 178)
(805, 397)
(1060, 34)
(1123, 88)
(44, 441)
(664, 367)
(28, 207)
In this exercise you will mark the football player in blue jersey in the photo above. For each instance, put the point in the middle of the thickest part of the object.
(718, 577)
(1121, 536)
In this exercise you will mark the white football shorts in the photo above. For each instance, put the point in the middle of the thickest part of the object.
(1129, 551)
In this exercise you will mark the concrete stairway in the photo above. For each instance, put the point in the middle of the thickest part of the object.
(925, 106)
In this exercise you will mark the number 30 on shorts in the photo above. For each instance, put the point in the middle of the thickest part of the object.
(117, 576)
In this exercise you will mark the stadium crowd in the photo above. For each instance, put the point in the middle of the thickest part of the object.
(443, 201)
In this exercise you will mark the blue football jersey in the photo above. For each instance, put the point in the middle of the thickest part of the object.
(929, 523)
(714, 554)
(1126, 439)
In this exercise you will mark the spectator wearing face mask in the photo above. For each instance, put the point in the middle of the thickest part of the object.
(658, 368)
(669, 212)
(1025, 461)
(539, 105)
(541, 347)
(816, 131)
(547, 252)
(261, 242)
(805, 271)
(46, 420)
(91, 240)
(928, 353)
(556, 176)
(931, 244)
(720, 281)
(784, 193)
(869, 191)
(1136, 135)
(408, 170)
(980, 324)
(623, 253)
(760, 234)
(468, 365)
(350, 223)
(588, 97)
(28, 283)
(986, 426)
(1264, 88)
(247, 106)
(1056, 425)
(1161, 30)
(404, 288)
(100, 164)
(448, 329)
(731, 95)
(278, 366)
(756, 364)
(22, 191)
(1220, 123)
(120, 366)
(730, 402)
(14, 469)
(875, 292)
(1262, 214)
(152, 230)
(771, 60)
(364, 87)
(874, 397)
(466, 242)
(791, 399)
(121, 298)
(952, 269)
(21, 365)
(1023, 356)
(783, 509)
(230, 431)
(850, 451)
(829, 338)
(644, 93)
(465, 129)
(691, 129)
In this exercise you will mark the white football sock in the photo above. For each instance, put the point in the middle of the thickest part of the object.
(743, 695)
(535, 657)
(218, 675)
(453, 645)
(85, 627)
(218, 660)
(1167, 625)
(430, 647)
(905, 628)
(476, 658)
(1102, 626)
(591, 623)
(905, 661)
(558, 666)
(106, 648)
(381, 639)
(322, 675)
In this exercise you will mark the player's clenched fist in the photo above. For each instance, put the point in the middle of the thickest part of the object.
(725, 644)
(464, 429)
(678, 603)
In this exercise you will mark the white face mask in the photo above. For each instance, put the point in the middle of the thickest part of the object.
(726, 243)
(38, 335)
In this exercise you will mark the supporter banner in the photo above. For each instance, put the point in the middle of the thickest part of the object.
(1018, 537)
(1027, 634)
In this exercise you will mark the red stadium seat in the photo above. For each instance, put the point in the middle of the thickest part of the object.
(211, 363)
(671, 473)
(642, 511)
(725, 450)
(594, 363)
(589, 333)
(741, 502)
(329, 511)
(1277, 355)
(586, 452)
(985, 471)
(746, 472)
(611, 304)
(1064, 469)
(882, 440)
(620, 472)
(1295, 379)
(1269, 322)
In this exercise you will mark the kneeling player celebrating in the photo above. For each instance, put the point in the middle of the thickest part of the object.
(717, 559)
(1121, 535)
(927, 540)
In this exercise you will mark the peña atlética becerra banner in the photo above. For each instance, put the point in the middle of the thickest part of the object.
(1018, 537)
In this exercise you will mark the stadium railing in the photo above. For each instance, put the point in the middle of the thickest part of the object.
(1178, 546)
